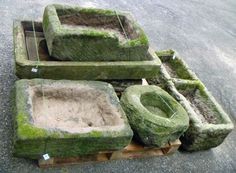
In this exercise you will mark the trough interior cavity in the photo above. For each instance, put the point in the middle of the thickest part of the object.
(175, 68)
(203, 107)
(40, 42)
(73, 109)
(156, 105)
(100, 22)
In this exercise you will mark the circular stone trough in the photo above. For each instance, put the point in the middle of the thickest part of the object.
(155, 116)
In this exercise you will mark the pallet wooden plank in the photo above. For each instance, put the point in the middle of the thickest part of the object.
(132, 151)
(174, 146)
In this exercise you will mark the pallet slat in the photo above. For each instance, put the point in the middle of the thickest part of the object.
(132, 151)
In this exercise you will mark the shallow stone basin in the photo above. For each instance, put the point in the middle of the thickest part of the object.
(50, 68)
(68, 118)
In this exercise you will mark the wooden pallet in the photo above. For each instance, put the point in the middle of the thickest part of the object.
(133, 150)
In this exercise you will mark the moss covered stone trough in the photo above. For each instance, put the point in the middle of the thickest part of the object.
(67, 118)
(209, 124)
(155, 116)
(51, 68)
(174, 67)
(88, 34)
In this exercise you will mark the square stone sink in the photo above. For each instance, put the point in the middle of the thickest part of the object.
(50, 68)
(209, 124)
(67, 118)
(89, 34)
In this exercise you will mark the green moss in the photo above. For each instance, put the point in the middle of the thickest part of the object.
(27, 131)
(97, 11)
(66, 9)
(180, 69)
(95, 33)
(165, 53)
(46, 20)
(96, 134)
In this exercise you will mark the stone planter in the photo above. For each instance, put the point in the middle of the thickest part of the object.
(154, 115)
(88, 34)
(209, 124)
(50, 68)
(67, 118)
(173, 67)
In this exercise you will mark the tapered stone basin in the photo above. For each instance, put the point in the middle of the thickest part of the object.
(68, 118)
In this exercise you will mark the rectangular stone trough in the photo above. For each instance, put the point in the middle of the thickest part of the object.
(89, 34)
(174, 67)
(50, 68)
(67, 118)
(209, 124)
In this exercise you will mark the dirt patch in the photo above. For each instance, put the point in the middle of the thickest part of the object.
(170, 70)
(73, 109)
(120, 35)
(100, 22)
(206, 114)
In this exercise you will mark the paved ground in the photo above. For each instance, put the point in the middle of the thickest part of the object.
(202, 31)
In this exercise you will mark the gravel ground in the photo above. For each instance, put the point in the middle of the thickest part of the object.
(203, 32)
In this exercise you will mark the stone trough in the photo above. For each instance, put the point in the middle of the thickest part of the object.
(68, 118)
(89, 34)
(209, 124)
(173, 67)
(51, 68)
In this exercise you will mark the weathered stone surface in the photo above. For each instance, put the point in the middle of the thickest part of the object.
(39, 102)
(50, 68)
(154, 115)
(173, 67)
(209, 124)
(88, 34)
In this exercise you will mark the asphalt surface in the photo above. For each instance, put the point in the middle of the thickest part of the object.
(204, 34)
